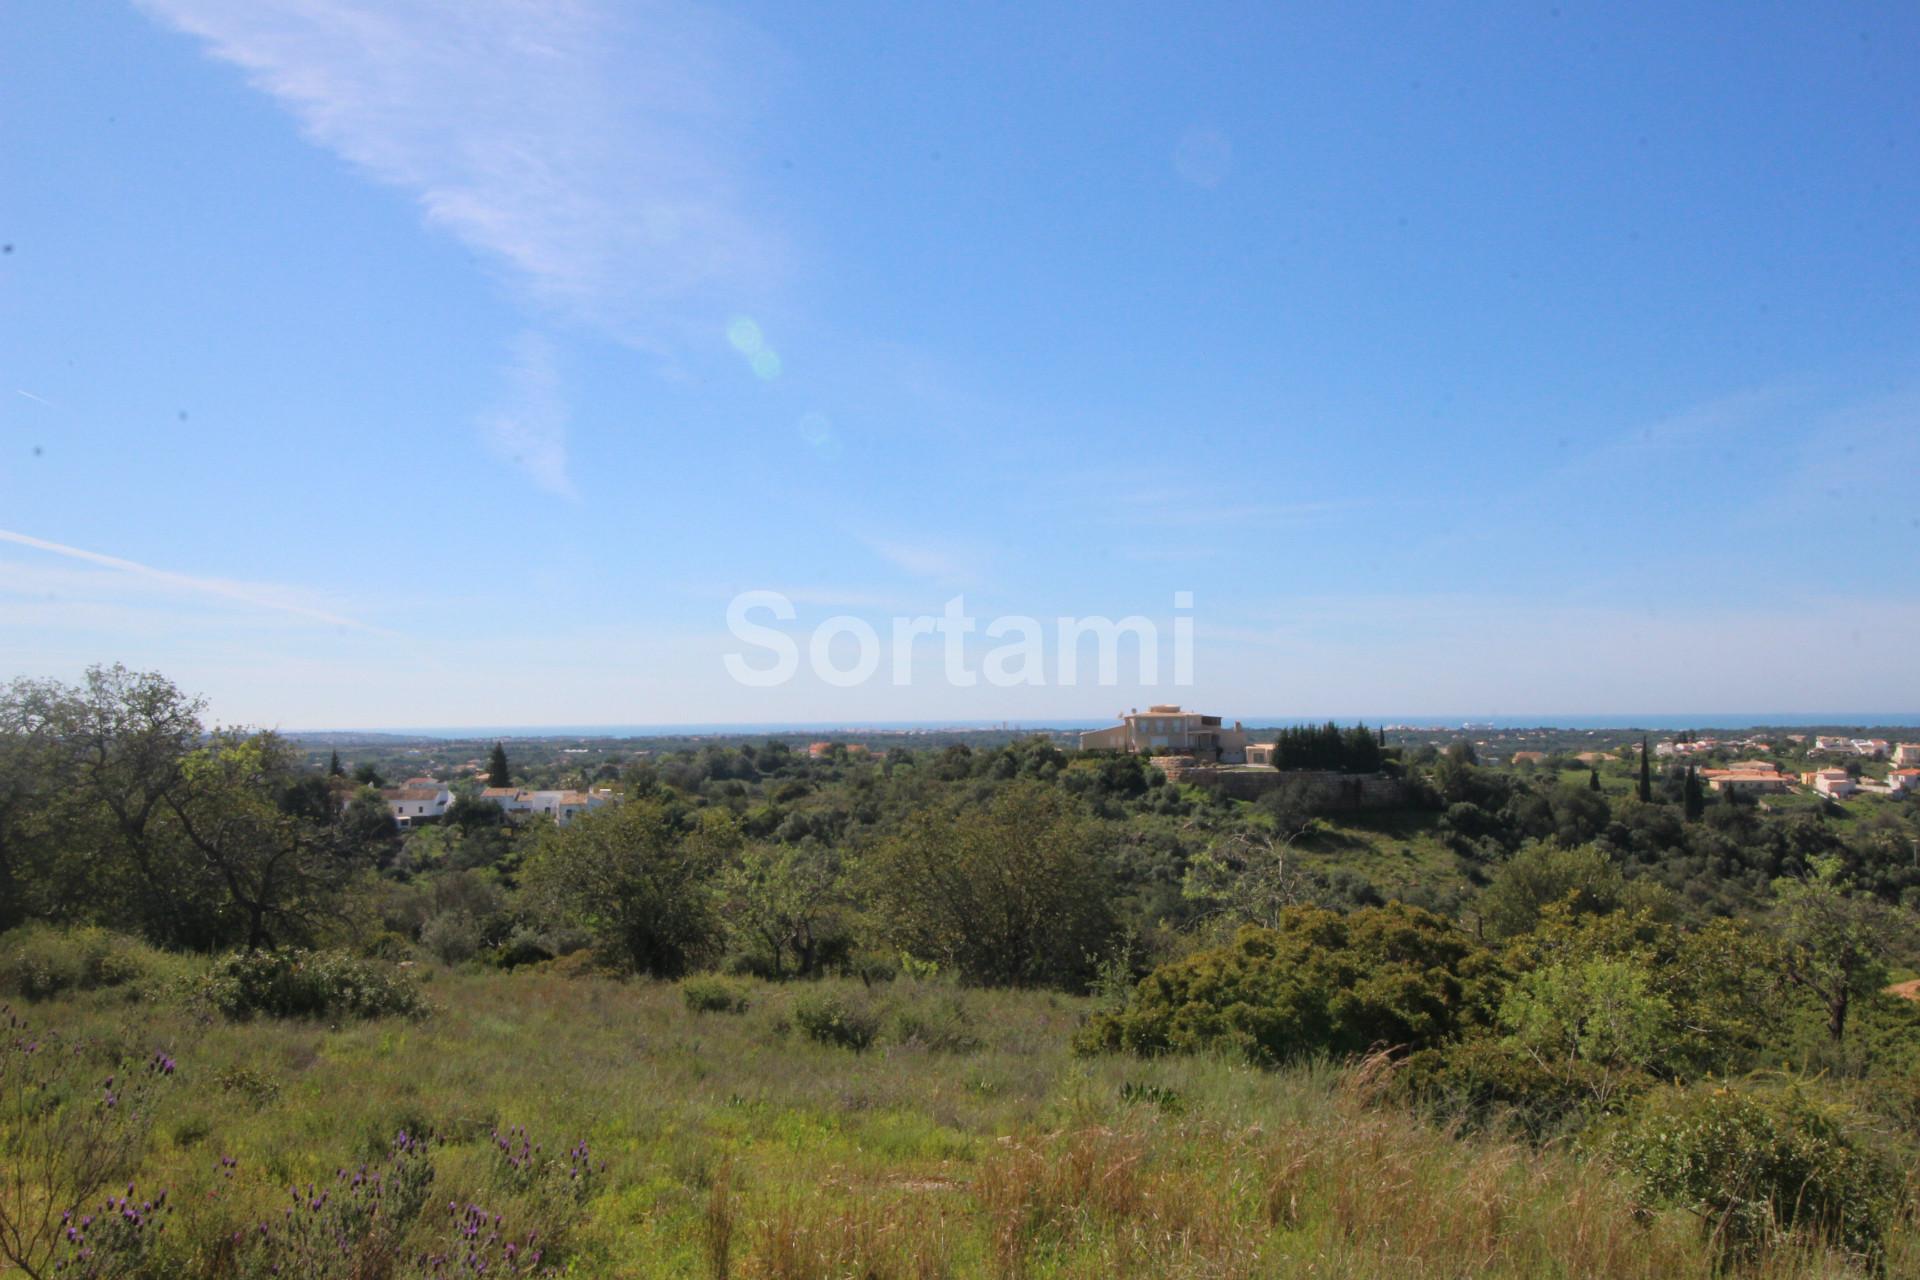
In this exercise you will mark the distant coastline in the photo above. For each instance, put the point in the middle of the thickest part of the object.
(1614, 723)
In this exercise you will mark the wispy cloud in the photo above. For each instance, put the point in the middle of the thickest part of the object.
(586, 145)
(257, 595)
(944, 564)
(530, 428)
(589, 148)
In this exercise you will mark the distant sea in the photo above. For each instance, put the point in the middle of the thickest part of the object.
(1650, 722)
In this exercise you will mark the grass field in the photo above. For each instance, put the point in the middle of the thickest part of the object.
(965, 1141)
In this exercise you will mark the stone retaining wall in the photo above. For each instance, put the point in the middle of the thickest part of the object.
(1343, 791)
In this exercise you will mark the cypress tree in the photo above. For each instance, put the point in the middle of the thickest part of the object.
(1646, 772)
(334, 767)
(1696, 799)
(1593, 780)
(497, 773)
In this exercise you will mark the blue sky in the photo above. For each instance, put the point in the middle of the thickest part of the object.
(397, 363)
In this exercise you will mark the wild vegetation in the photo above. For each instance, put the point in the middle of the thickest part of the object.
(1011, 1011)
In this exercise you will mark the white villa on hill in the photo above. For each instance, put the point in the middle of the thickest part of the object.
(1169, 728)
(417, 799)
(562, 806)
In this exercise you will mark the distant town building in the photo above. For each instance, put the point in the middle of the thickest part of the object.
(1165, 727)
(1835, 784)
(1903, 781)
(1907, 753)
(1744, 781)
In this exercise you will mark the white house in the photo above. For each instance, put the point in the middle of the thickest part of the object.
(1907, 753)
(562, 806)
(1903, 781)
(417, 800)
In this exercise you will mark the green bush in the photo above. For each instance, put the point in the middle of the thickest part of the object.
(714, 995)
(936, 1021)
(452, 936)
(291, 983)
(1493, 1080)
(1759, 1163)
(828, 1019)
(1392, 976)
(37, 961)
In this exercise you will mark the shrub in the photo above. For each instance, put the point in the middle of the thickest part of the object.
(714, 995)
(257, 1088)
(1391, 976)
(452, 936)
(1759, 1163)
(1484, 1079)
(38, 961)
(349, 1228)
(290, 983)
(831, 1020)
(74, 1118)
(939, 1023)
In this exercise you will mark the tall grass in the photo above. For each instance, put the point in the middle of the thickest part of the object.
(737, 1146)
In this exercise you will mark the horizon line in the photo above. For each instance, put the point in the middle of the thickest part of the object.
(1590, 721)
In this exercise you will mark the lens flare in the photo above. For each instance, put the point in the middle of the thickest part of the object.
(744, 335)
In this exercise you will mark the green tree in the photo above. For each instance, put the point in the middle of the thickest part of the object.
(641, 881)
(334, 767)
(471, 814)
(787, 907)
(1015, 895)
(498, 774)
(1593, 780)
(1583, 878)
(268, 877)
(1646, 771)
(368, 823)
(1694, 797)
(106, 759)
(1247, 878)
(1835, 939)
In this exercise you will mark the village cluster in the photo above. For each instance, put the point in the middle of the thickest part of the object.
(1836, 782)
